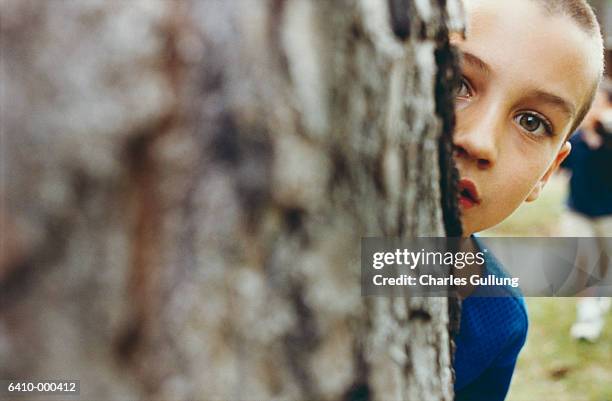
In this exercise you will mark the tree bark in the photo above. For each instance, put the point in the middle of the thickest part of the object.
(185, 184)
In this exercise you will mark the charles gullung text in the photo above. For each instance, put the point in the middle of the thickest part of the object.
(427, 280)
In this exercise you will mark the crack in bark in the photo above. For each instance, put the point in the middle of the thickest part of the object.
(447, 78)
(299, 343)
(143, 170)
(446, 81)
(400, 13)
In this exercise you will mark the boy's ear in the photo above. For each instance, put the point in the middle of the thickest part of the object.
(563, 153)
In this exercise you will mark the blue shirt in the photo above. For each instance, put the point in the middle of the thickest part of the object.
(492, 333)
(590, 187)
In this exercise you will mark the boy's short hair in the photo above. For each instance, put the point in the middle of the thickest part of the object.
(583, 15)
(578, 10)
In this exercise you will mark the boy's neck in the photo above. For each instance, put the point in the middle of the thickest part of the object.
(464, 291)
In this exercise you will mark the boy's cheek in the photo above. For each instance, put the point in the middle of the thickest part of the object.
(500, 203)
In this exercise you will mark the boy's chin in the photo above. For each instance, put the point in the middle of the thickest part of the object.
(471, 224)
(475, 221)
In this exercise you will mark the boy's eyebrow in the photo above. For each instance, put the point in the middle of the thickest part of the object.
(548, 97)
(476, 61)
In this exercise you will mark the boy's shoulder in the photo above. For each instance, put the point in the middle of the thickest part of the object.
(492, 334)
(496, 327)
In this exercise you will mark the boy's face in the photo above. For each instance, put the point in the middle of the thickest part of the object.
(526, 75)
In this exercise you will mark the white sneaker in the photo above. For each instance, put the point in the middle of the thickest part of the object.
(589, 319)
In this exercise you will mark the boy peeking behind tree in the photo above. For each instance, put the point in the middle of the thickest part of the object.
(530, 69)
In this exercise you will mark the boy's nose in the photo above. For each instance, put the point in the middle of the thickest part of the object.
(475, 146)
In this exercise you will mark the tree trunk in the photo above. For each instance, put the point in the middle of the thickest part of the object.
(185, 184)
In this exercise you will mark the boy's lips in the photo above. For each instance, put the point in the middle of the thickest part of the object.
(468, 194)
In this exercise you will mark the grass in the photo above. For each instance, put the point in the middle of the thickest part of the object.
(552, 366)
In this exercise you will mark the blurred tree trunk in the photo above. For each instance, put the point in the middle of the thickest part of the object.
(184, 187)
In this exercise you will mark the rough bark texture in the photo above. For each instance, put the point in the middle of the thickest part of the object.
(185, 184)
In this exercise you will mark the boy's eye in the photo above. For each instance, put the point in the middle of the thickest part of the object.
(533, 123)
(530, 122)
(463, 90)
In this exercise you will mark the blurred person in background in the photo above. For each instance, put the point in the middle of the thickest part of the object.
(589, 212)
